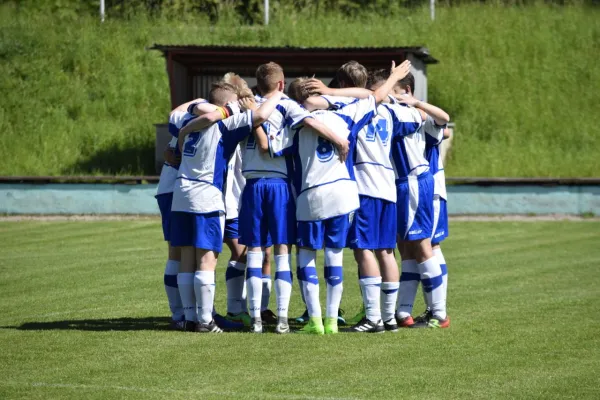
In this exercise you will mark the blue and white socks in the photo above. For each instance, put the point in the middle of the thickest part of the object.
(334, 259)
(283, 284)
(235, 280)
(185, 282)
(266, 292)
(409, 283)
(389, 297)
(204, 288)
(370, 288)
(310, 281)
(172, 290)
(431, 279)
(437, 252)
(254, 284)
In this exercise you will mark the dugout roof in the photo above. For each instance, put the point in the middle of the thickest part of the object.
(189, 66)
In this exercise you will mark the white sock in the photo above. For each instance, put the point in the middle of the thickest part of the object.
(204, 287)
(310, 281)
(334, 276)
(266, 292)
(389, 296)
(409, 283)
(172, 290)
(235, 282)
(437, 252)
(283, 284)
(431, 279)
(185, 282)
(370, 288)
(254, 283)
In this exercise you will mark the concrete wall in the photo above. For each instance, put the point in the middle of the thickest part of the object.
(139, 199)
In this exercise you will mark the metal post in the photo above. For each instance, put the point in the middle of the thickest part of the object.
(266, 6)
(432, 9)
(101, 10)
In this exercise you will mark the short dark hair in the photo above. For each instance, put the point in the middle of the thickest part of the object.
(408, 80)
(220, 92)
(297, 90)
(377, 76)
(352, 74)
(267, 76)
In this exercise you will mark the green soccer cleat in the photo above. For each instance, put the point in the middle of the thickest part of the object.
(358, 317)
(313, 327)
(331, 326)
(242, 317)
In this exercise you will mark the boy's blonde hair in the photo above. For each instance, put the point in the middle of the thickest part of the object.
(352, 74)
(297, 90)
(267, 76)
(240, 85)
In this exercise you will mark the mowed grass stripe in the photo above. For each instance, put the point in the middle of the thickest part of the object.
(92, 321)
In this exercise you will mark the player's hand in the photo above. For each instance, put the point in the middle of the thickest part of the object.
(171, 158)
(343, 147)
(401, 70)
(314, 85)
(407, 99)
(248, 103)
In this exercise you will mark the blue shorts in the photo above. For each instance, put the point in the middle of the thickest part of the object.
(202, 231)
(332, 233)
(440, 219)
(164, 204)
(374, 225)
(415, 207)
(232, 229)
(268, 213)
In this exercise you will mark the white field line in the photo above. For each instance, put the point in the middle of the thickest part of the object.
(76, 386)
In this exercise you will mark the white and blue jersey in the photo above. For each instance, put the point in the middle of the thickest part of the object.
(440, 210)
(234, 186)
(255, 164)
(205, 156)
(326, 187)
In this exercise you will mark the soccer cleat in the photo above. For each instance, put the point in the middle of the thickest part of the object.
(256, 326)
(268, 317)
(189, 326)
(391, 325)
(303, 318)
(211, 327)
(424, 316)
(406, 322)
(434, 323)
(367, 326)
(177, 325)
(331, 325)
(313, 327)
(282, 326)
(340, 319)
(357, 318)
(242, 317)
(226, 324)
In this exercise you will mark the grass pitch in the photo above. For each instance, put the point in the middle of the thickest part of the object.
(83, 315)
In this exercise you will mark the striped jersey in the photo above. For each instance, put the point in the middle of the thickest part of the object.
(235, 185)
(287, 114)
(436, 167)
(205, 157)
(326, 187)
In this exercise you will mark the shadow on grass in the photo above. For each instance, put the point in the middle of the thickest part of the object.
(128, 159)
(108, 324)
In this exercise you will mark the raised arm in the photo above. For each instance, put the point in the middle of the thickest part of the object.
(398, 73)
(440, 116)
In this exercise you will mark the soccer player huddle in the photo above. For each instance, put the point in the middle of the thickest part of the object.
(357, 166)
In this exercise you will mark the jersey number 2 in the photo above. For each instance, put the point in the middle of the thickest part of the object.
(189, 147)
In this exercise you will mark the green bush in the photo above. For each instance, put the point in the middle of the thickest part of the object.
(521, 83)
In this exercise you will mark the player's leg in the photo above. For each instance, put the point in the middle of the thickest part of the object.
(235, 275)
(268, 317)
(182, 236)
(282, 230)
(304, 317)
(310, 237)
(172, 264)
(253, 234)
(387, 264)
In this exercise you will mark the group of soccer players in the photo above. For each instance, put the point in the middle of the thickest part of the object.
(357, 166)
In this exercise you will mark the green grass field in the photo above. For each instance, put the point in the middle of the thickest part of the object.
(521, 82)
(83, 315)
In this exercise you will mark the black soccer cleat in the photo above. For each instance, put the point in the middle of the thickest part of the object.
(391, 325)
(367, 326)
(189, 326)
(211, 327)
(424, 317)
